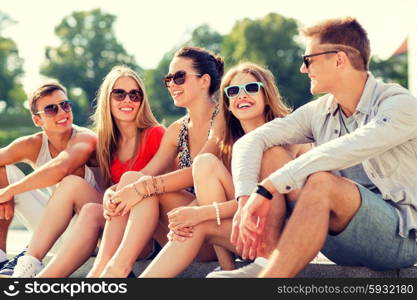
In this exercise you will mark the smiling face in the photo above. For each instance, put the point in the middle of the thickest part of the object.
(125, 110)
(322, 70)
(61, 122)
(184, 94)
(247, 106)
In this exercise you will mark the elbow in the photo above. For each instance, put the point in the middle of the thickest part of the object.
(63, 170)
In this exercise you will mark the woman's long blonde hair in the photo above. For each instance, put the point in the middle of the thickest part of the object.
(107, 131)
(274, 106)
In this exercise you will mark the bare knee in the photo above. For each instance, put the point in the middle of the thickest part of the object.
(91, 214)
(71, 181)
(320, 182)
(129, 177)
(273, 159)
(204, 164)
(318, 189)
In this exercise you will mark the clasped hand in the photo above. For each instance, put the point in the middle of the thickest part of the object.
(182, 221)
(6, 205)
(248, 226)
(119, 202)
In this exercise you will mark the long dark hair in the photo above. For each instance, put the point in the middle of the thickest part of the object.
(205, 62)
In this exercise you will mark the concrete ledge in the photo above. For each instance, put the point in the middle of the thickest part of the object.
(313, 270)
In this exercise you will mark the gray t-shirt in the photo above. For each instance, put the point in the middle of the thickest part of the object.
(356, 172)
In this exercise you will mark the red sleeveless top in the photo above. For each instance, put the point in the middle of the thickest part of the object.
(148, 146)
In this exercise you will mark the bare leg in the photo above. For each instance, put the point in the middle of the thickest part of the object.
(213, 183)
(80, 244)
(4, 224)
(168, 202)
(326, 202)
(272, 160)
(59, 211)
(183, 253)
(142, 222)
(113, 232)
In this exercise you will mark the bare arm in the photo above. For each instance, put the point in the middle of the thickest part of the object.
(78, 151)
(23, 149)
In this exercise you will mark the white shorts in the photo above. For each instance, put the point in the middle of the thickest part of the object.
(30, 206)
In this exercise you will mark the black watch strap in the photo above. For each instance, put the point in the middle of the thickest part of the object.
(263, 192)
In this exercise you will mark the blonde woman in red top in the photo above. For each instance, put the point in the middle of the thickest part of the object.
(128, 138)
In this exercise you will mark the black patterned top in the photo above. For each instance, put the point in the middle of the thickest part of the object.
(184, 157)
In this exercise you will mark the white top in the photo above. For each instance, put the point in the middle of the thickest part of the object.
(44, 156)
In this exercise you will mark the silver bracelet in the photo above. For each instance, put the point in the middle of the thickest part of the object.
(216, 207)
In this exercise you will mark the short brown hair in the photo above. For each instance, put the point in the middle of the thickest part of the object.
(344, 34)
(45, 89)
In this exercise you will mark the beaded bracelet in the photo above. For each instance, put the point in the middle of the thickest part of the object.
(137, 192)
(155, 186)
(163, 184)
(216, 207)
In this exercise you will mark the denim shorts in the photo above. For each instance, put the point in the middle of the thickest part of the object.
(372, 238)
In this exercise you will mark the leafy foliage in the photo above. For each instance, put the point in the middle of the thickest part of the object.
(88, 51)
(11, 90)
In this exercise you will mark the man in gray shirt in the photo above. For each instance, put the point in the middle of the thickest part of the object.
(358, 187)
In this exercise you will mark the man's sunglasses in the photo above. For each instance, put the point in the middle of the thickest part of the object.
(250, 88)
(178, 77)
(134, 95)
(306, 58)
(51, 110)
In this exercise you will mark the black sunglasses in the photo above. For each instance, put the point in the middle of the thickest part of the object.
(134, 95)
(178, 77)
(307, 61)
(51, 110)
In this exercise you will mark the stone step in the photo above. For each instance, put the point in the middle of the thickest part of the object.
(323, 269)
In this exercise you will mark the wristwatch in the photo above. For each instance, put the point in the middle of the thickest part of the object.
(261, 190)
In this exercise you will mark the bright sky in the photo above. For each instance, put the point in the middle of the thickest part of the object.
(148, 29)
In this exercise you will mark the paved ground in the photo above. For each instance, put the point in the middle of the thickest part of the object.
(320, 267)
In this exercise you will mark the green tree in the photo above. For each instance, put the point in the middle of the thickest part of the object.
(11, 70)
(393, 69)
(88, 51)
(204, 36)
(272, 42)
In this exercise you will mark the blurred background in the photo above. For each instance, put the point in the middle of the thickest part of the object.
(79, 43)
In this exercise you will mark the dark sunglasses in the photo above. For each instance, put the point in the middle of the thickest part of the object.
(51, 110)
(306, 58)
(134, 95)
(178, 77)
(250, 88)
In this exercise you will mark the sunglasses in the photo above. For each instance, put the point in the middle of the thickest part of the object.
(120, 95)
(51, 110)
(178, 78)
(250, 88)
(306, 58)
